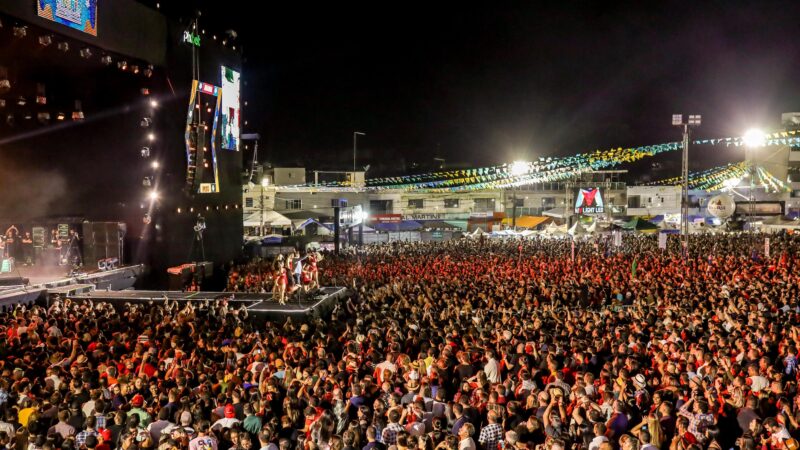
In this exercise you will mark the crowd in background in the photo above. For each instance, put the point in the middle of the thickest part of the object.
(465, 345)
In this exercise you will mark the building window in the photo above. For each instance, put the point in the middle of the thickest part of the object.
(339, 202)
(519, 202)
(248, 202)
(634, 201)
(294, 204)
(451, 203)
(416, 203)
(484, 205)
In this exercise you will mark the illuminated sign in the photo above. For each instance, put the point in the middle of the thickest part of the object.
(589, 201)
(191, 38)
(80, 15)
(231, 109)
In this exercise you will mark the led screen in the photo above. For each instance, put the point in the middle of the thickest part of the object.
(231, 110)
(589, 201)
(78, 14)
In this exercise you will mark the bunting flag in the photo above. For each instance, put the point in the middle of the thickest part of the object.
(552, 169)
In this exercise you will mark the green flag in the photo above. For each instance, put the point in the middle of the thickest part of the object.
(633, 266)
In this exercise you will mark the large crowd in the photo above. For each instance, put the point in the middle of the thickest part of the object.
(464, 345)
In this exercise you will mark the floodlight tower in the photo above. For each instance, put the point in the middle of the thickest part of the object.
(693, 121)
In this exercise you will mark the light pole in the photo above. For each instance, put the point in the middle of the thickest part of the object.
(752, 139)
(518, 168)
(355, 140)
(264, 184)
(694, 121)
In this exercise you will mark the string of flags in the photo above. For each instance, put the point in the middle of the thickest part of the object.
(551, 169)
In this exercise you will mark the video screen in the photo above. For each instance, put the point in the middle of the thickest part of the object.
(589, 201)
(78, 14)
(231, 109)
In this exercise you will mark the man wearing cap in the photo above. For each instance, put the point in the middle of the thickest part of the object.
(144, 417)
(228, 421)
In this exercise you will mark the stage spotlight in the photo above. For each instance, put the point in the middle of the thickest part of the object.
(20, 31)
(41, 97)
(153, 195)
(78, 113)
(21, 101)
(43, 117)
(155, 165)
(5, 83)
(145, 152)
(63, 46)
(145, 122)
(60, 116)
(28, 115)
(106, 60)
(86, 53)
(148, 72)
(45, 40)
(135, 69)
(151, 136)
(147, 182)
(153, 104)
(122, 65)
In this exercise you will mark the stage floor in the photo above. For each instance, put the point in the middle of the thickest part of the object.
(312, 303)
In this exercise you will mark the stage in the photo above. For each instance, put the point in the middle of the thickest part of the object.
(27, 285)
(315, 304)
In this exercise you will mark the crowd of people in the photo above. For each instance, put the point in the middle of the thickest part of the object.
(463, 345)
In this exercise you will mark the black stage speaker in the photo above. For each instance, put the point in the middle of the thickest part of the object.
(102, 240)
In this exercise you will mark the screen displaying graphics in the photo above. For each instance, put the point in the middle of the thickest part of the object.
(589, 201)
(231, 111)
(78, 14)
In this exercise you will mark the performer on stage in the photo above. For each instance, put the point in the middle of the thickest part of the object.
(279, 290)
(11, 238)
(27, 249)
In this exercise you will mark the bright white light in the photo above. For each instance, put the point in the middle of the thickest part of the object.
(264, 181)
(153, 195)
(520, 168)
(153, 103)
(754, 138)
(364, 215)
(154, 165)
(731, 182)
(151, 136)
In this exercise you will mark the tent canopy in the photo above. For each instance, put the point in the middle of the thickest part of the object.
(528, 221)
(639, 224)
(271, 219)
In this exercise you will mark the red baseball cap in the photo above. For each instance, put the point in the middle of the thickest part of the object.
(137, 400)
(230, 411)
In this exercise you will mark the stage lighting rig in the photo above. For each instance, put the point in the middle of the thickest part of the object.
(78, 113)
(146, 122)
(106, 59)
(21, 101)
(41, 97)
(45, 40)
(43, 117)
(86, 53)
(5, 83)
(148, 72)
(63, 46)
(20, 31)
(122, 65)
(145, 152)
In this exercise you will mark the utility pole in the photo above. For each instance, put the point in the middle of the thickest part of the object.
(677, 120)
(355, 141)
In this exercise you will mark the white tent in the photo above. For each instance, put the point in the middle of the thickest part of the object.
(577, 230)
(271, 219)
(555, 230)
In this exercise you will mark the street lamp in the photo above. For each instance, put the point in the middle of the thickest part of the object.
(264, 184)
(752, 139)
(355, 140)
(517, 169)
(694, 120)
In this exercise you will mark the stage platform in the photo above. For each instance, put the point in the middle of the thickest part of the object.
(313, 304)
(44, 282)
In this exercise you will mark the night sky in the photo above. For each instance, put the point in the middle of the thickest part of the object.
(483, 84)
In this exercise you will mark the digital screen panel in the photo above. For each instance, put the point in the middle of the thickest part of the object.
(231, 109)
(589, 201)
(77, 14)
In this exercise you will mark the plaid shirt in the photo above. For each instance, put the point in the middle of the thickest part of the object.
(696, 421)
(100, 421)
(490, 436)
(389, 435)
(80, 438)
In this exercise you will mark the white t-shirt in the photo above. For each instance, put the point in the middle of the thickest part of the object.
(467, 444)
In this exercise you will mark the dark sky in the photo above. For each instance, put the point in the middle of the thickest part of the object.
(489, 83)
